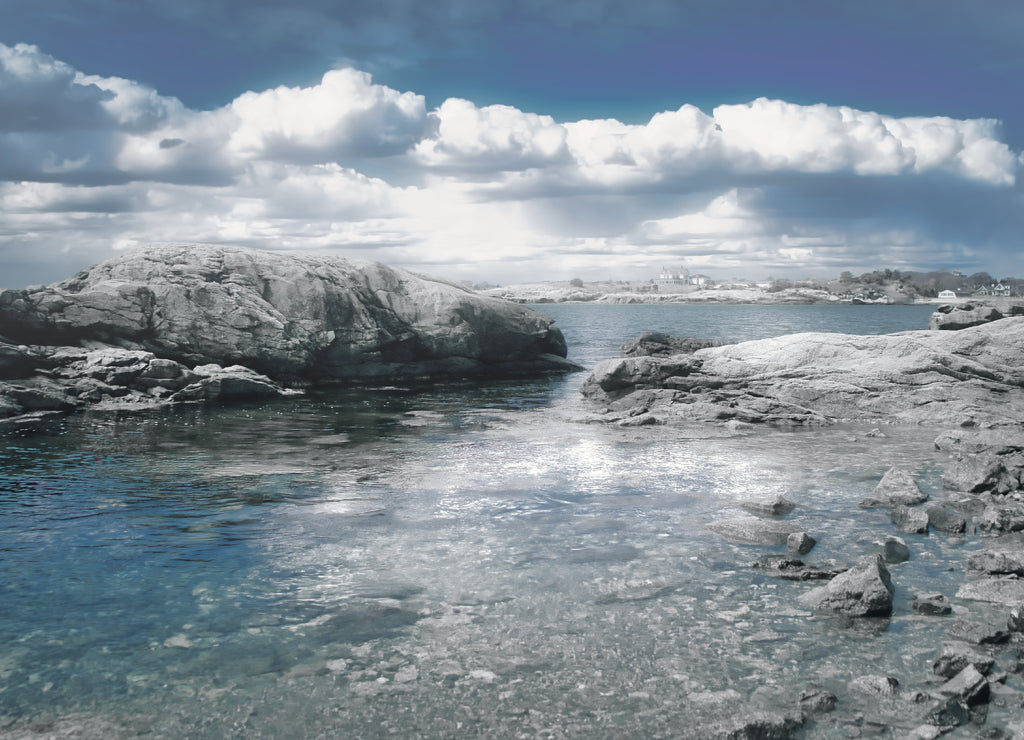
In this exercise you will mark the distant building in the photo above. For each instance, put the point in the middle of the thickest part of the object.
(679, 276)
(947, 295)
(997, 289)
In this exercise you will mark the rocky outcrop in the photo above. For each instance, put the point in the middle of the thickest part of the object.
(287, 316)
(200, 323)
(965, 315)
(942, 378)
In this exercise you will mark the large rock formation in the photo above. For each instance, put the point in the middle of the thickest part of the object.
(944, 378)
(284, 315)
(293, 319)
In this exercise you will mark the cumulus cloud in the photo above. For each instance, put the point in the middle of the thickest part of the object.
(346, 115)
(491, 192)
(495, 138)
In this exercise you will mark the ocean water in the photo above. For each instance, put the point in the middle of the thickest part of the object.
(453, 560)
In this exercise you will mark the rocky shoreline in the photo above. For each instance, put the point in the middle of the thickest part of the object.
(963, 375)
(187, 323)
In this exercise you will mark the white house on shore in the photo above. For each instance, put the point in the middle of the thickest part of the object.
(679, 276)
(947, 295)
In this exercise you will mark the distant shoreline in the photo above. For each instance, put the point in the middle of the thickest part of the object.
(604, 294)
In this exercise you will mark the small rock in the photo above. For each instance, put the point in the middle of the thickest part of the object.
(800, 543)
(968, 686)
(957, 656)
(864, 590)
(974, 473)
(909, 521)
(945, 715)
(944, 520)
(977, 633)
(933, 605)
(1015, 622)
(875, 685)
(815, 700)
(1008, 591)
(892, 549)
(899, 487)
(756, 725)
(752, 530)
(774, 506)
(997, 562)
(793, 569)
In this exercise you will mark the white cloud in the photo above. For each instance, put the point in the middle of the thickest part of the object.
(492, 192)
(344, 116)
(492, 138)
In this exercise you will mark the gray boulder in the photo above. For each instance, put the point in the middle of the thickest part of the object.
(955, 317)
(897, 487)
(931, 377)
(1006, 590)
(752, 530)
(957, 656)
(865, 590)
(931, 605)
(909, 521)
(892, 549)
(289, 317)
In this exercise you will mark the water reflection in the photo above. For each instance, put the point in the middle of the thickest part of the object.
(449, 561)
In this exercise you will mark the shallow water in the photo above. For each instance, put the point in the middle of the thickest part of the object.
(460, 560)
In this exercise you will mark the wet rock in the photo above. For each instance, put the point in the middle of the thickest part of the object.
(658, 343)
(943, 519)
(817, 378)
(968, 687)
(892, 549)
(865, 590)
(1008, 591)
(800, 543)
(756, 725)
(816, 701)
(997, 562)
(957, 656)
(793, 569)
(752, 530)
(777, 505)
(235, 383)
(875, 685)
(955, 317)
(909, 521)
(977, 633)
(974, 473)
(286, 316)
(898, 487)
(932, 605)
(1002, 519)
(943, 716)
(1015, 622)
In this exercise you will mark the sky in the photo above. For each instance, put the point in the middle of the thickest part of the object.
(513, 141)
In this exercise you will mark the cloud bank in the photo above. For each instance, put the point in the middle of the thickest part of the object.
(93, 164)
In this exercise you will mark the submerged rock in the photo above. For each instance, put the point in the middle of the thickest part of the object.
(752, 530)
(865, 590)
(932, 605)
(658, 343)
(818, 378)
(776, 505)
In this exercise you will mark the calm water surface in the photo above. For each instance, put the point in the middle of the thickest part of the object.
(461, 560)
